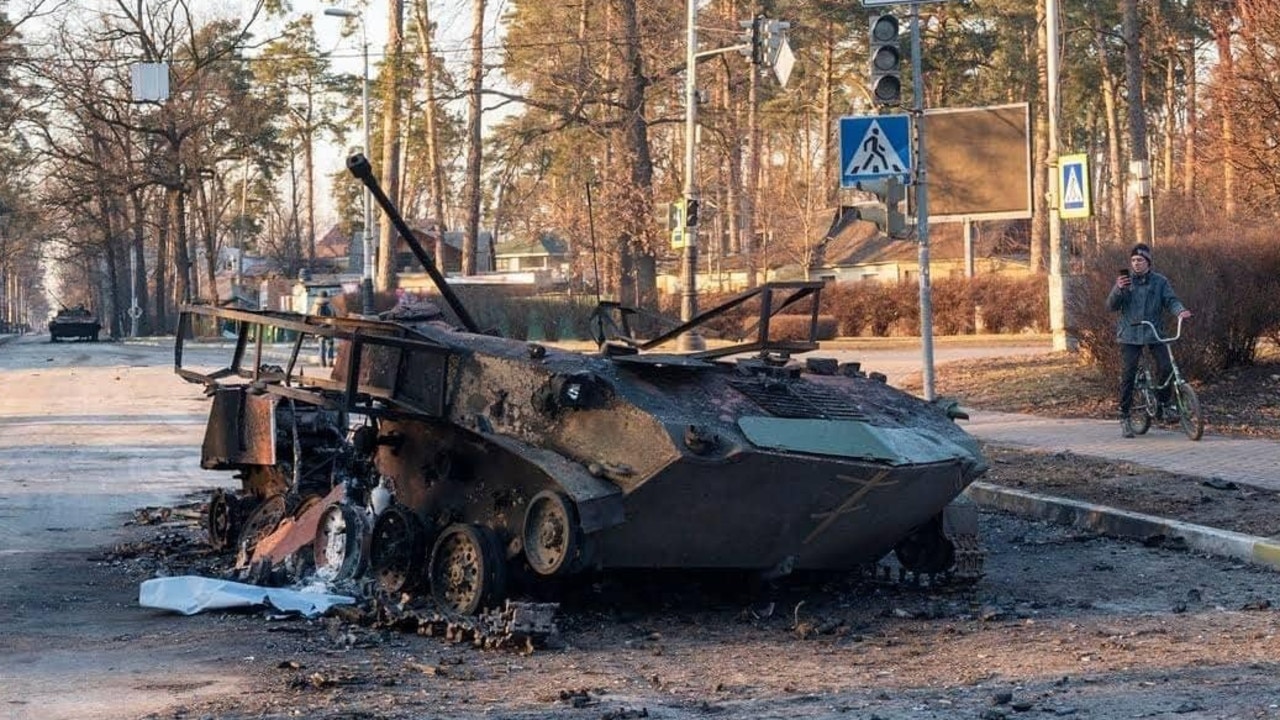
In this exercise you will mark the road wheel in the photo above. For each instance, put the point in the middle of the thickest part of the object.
(397, 549)
(1190, 415)
(342, 542)
(467, 570)
(927, 549)
(552, 538)
(225, 516)
(259, 524)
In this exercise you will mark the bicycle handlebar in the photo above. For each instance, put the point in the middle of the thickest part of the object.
(1156, 332)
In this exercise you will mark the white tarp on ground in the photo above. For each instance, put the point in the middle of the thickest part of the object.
(190, 594)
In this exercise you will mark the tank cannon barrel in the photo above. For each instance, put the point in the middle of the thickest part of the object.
(358, 165)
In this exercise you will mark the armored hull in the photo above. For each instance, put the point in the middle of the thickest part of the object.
(444, 460)
(74, 324)
(545, 462)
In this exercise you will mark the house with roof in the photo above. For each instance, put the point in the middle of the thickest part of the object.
(859, 252)
(546, 253)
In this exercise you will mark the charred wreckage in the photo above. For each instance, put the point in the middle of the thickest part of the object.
(439, 461)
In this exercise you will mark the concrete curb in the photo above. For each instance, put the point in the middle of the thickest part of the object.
(1122, 523)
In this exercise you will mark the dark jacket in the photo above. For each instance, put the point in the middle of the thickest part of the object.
(1146, 298)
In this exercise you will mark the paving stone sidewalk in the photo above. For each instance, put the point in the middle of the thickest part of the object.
(1253, 462)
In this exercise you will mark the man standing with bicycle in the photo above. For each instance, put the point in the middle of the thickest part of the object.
(1140, 294)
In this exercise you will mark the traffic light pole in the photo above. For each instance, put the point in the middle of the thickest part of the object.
(922, 210)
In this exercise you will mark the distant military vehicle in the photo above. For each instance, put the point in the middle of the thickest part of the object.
(76, 323)
(442, 459)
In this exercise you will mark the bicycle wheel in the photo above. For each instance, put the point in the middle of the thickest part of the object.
(1189, 414)
(1144, 404)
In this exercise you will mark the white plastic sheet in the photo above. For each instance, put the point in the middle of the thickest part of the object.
(190, 594)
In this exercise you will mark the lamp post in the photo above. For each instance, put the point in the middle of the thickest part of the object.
(366, 285)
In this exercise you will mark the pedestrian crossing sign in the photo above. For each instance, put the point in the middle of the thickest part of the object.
(1073, 187)
(874, 147)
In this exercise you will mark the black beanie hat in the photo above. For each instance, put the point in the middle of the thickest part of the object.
(1143, 250)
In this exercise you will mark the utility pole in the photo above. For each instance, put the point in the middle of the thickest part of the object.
(366, 235)
(1057, 250)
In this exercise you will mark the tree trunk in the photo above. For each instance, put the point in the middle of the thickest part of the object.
(177, 218)
(139, 265)
(1189, 129)
(309, 169)
(425, 32)
(471, 234)
(827, 123)
(210, 239)
(162, 264)
(733, 198)
(1220, 22)
(636, 139)
(1039, 250)
(1137, 120)
(751, 192)
(1170, 122)
(390, 142)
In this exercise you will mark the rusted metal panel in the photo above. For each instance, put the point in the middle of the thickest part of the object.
(296, 532)
(241, 430)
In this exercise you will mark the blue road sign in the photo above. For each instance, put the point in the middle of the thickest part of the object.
(1073, 185)
(874, 146)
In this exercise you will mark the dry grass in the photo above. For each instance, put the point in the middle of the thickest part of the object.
(1242, 402)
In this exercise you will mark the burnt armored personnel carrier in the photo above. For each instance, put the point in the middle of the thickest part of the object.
(441, 459)
(76, 323)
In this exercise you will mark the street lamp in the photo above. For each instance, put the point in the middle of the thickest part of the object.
(366, 285)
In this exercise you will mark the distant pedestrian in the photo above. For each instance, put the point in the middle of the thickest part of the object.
(1140, 294)
(325, 309)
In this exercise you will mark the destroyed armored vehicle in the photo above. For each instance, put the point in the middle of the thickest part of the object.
(76, 323)
(441, 460)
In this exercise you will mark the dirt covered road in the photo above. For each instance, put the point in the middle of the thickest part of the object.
(1063, 624)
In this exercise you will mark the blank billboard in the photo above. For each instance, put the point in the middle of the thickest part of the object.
(978, 162)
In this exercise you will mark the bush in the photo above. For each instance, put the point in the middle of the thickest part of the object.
(1012, 305)
(796, 327)
(872, 308)
(1229, 282)
(952, 306)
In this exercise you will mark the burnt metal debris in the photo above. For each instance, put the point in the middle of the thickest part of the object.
(77, 323)
(434, 461)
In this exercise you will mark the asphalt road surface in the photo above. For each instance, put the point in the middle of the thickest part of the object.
(1064, 624)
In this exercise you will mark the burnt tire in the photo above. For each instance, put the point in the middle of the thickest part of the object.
(552, 535)
(467, 569)
(258, 525)
(224, 516)
(397, 549)
(341, 545)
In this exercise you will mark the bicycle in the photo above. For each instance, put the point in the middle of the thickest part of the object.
(1146, 394)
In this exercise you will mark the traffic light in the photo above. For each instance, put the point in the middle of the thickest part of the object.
(775, 35)
(886, 61)
(691, 216)
(886, 210)
(758, 40)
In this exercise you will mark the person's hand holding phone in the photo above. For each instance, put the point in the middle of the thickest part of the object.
(1122, 280)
